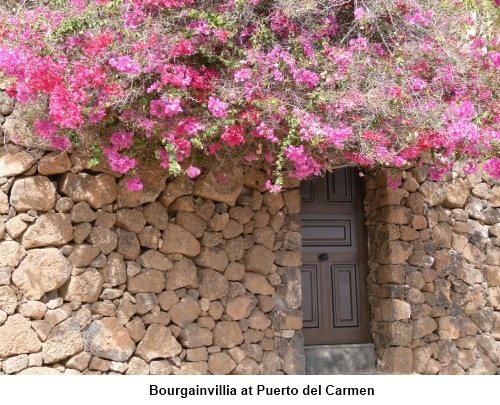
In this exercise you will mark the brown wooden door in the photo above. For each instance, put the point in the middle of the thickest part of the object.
(334, 296)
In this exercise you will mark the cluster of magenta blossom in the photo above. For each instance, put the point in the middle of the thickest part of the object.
(299, 87)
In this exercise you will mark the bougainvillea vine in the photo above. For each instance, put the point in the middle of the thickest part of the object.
(301, 87)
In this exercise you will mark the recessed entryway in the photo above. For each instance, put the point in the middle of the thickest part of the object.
(334, 271)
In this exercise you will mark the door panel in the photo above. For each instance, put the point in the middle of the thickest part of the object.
(334, 260)
(345, 311)
(339, 186)
(310, 305)
(328, 233)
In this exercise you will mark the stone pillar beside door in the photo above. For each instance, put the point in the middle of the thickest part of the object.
(434, 271)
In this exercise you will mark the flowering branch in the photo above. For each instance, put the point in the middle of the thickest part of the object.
(302, 87)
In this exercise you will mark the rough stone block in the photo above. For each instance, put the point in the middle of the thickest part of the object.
(48, 230)
(227, 335)
(97, 340)
(397, 360)
(15, 161)
(17, 337)
(217, 187)
(158, 342)
(393, 274)
(177, 240)
(390, 310)
(423, 327)
(449, 328)
(396, 215)
(394, 333)
(394, 252)
(97, 190)
(456, 194)
(15, 364)
(42, 270)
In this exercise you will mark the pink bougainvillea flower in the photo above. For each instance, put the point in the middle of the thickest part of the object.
(221, 35)
(242, 74)
(250, 158)
(78, 3)
(359, 13)
(418, 84)
(200, 27)
(470, 168)
(182, 48)
(492, 167)
(193, 172)
(273, 188)
(214, 148)
(182, 148)
(122, 140)
(63, 109)
(46, 129)
(263, 131)
(420, 18)
(97, 116)
(60, 142)
(307, 77)
(269, 158)
(395, 92)
(125, 64)
(165, 108)
(189, 126)
(217, 107)
(118, 162)
(163, 157)
(134, 184)
(305, 165)
(233, 136)
(393, 183)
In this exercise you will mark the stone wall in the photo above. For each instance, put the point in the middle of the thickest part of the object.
(434, 276)
(200, 277)
(184, 277)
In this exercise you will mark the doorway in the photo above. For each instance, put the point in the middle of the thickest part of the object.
(334, 262)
